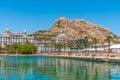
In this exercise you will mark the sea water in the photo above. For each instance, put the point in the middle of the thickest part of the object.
(49, 68)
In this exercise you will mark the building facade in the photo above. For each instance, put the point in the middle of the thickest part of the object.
(14, 37)
(61, 38)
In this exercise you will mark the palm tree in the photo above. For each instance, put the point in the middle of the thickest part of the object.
(46, 47)
(55, 46)
(77, 43)
(70, 45)
(95, 42)
(59, 45)
(108, 39)
(86, 41)
(64, 45)
(51, 46)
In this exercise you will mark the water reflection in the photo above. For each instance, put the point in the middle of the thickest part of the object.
(41, 68)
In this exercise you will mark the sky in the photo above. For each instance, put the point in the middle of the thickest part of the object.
(35, 15)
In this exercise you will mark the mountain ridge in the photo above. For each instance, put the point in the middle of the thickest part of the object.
(76, 28)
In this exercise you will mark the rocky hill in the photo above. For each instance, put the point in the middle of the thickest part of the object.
(77, 28)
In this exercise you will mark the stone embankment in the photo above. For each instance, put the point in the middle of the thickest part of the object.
(102, 57)
(112, 57)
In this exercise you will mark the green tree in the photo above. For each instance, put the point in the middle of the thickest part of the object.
(6, 48)
(27, 48)
(34, 49)
(69, 44)
(1, 49)
(47, 47)
(51, 47)
(108, 39)
(16, 48)
(80, 46)
(86, 41)
(59, 45)
(95, 42)
(64, 45)
(55, 46)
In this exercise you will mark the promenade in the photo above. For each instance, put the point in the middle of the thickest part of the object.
(103, 57)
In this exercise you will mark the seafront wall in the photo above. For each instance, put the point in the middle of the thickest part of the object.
(87, 58)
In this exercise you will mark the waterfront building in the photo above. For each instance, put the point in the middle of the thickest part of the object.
(61, 38)
(9, 37)
(41, 46)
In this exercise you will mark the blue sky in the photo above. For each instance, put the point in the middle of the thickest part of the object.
(35, 15)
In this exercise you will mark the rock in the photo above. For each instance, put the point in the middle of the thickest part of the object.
(74, 28)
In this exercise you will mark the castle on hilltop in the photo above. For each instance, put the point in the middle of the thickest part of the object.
(9, 37)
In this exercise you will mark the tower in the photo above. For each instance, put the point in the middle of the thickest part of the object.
(24, 31)
(7, 30)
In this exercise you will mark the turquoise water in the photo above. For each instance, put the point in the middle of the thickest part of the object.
(43, 68)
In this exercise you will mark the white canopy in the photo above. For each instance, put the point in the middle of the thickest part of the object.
(92, 49)
(115, 46)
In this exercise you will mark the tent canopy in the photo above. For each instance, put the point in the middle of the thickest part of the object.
(115, 46)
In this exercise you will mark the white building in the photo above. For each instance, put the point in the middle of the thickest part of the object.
(14, 37)
(61, 38)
